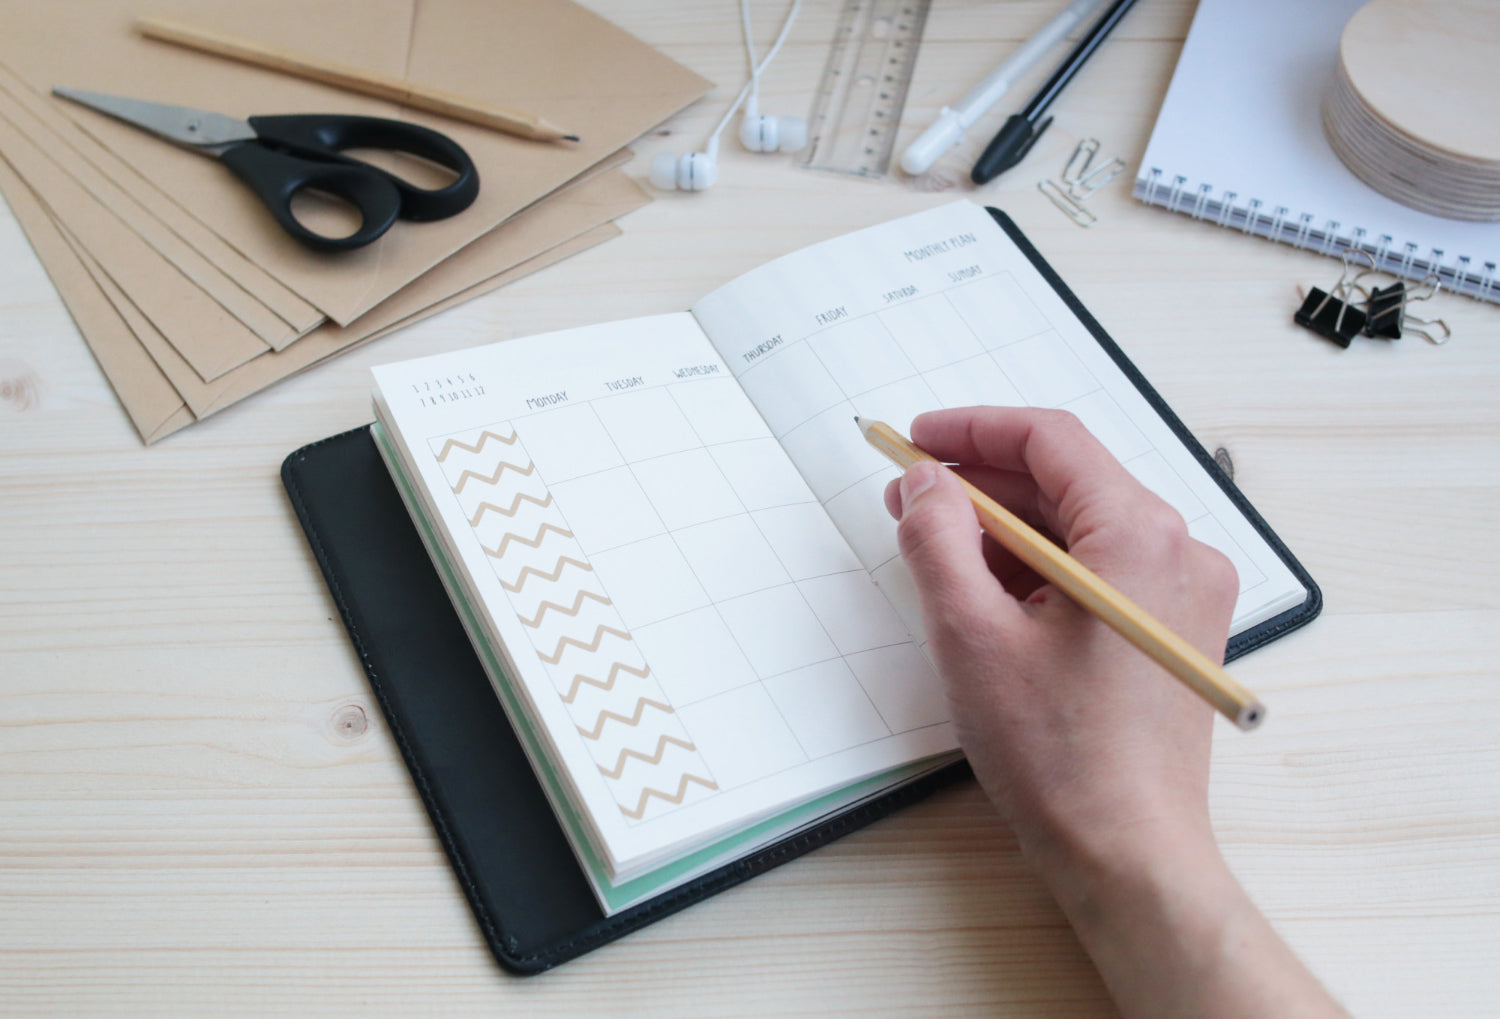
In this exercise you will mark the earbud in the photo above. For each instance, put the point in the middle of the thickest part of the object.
(765, 133)
(697, 171)
(691, 171)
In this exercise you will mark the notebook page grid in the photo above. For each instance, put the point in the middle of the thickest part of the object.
(639, 536)
(978, 342)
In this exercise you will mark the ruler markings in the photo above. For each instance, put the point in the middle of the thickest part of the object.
(857, 109)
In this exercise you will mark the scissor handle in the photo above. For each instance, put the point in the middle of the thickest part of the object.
(325, 136)
(276, 177)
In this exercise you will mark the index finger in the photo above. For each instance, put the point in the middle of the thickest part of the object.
(1073, 470)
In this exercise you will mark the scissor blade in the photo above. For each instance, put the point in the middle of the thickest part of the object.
(181, 124)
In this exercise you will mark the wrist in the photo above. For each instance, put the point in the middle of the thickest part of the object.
(1098, 871)
(1171, 930)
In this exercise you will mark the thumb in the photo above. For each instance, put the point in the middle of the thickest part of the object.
(940, 541)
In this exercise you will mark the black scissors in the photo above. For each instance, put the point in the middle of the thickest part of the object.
(280, 156)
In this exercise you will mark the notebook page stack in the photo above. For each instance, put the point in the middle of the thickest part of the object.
(1239, 142)
(667, 541)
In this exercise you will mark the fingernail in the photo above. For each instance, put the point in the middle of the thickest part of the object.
(919, 477)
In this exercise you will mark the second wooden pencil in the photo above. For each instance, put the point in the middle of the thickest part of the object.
(352, 79)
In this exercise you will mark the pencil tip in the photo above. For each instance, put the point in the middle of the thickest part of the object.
(571, 138)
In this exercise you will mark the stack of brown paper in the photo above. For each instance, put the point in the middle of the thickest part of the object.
(187, 292)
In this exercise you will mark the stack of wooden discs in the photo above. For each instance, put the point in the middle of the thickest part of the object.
(1414, 110)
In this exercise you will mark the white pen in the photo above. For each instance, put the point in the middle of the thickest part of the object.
(951, 124)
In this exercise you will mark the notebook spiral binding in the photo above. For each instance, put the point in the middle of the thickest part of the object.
(1330, 238)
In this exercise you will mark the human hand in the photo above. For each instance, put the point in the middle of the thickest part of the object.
(1087, 747)
(1095, 755)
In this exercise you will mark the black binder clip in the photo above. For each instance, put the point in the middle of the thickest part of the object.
(1386, 315)
(1332, 314)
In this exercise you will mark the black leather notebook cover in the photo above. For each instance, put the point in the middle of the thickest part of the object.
(509, 853)
(528, 894)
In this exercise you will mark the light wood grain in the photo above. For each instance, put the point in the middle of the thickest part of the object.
(191, 825)
(1426, 69)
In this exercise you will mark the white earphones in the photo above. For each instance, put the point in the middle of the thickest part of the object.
(691, 171)
(697, 171)
(761, 132)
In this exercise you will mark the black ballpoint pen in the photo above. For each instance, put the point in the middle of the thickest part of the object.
(1021, 130)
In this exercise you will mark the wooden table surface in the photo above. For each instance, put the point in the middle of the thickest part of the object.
(202, 811)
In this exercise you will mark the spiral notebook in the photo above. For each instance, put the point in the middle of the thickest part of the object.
(1239, 142)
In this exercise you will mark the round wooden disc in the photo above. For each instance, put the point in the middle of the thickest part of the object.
(1398, 168)
(1428, 68)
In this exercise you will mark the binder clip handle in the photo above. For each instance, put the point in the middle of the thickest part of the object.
(1388, 316)
(1331, 314)
(1330, 317)
(1386, 311)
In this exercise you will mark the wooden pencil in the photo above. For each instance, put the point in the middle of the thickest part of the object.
(1203, 676)
(303, 65)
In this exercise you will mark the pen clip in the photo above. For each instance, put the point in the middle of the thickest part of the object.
(1032, 140)
(1007, 148)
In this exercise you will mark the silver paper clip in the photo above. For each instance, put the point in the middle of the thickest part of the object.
(1078, 162)
(1096, 179)
(1066, 203)
(1078, 181)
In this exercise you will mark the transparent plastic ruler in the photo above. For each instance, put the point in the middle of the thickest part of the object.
(857, 108)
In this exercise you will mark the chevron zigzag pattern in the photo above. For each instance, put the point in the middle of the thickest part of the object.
(467, 476)
(530, 571)
(605, 717)
(648, 793)
(541, 611)
(478, 447)
(652, 758)
(654, 776)
(590, 647)
(515, 505)
(510, 536)
(607, 684)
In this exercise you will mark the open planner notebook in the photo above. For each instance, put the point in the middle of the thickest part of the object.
(667, 542)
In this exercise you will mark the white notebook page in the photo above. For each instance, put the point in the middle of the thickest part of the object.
(937, 310)
(698, 641)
